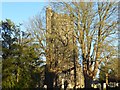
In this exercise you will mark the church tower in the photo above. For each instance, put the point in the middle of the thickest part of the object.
(62, 58)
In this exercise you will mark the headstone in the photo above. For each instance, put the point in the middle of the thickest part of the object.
(104, 85)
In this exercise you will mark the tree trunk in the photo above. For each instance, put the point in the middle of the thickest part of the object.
(49, 78)
(87, 81)
(56, 82)
(101, 85)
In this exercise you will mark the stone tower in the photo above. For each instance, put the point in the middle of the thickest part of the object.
(60, 46)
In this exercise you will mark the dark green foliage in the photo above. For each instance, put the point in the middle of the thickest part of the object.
(10, 33)
(21, 62)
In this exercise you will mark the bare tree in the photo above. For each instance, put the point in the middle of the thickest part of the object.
(96, 29)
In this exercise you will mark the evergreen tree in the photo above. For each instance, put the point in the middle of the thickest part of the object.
(21, 61)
